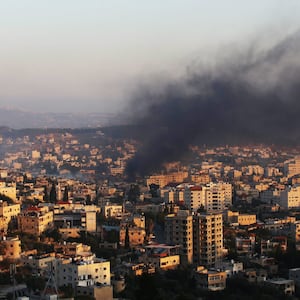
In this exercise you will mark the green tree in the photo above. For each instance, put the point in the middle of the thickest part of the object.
(127, 242)
(134, 192)
(46, 194)
(66, 194)
(53, 196)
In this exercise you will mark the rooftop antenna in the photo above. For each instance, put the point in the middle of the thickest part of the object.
(51, 281)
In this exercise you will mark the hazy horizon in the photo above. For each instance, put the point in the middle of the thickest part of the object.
(74, 56)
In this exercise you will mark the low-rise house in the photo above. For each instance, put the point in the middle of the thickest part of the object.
(39, 264)
(286, 286)
(136, 236)
(294, 274)
(161, 256)
(8, 212)
(232, 268)
(82, 271)
(11, 248)
(211, 280)
(35, 220)
(97, 292)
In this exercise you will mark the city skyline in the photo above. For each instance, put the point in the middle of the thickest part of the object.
(72, 57)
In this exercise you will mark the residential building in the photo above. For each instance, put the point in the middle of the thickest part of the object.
(179, 231)
(35, 220)
(97, 292)
(208, 239)
(136, 236)
(286, 286)
(290, 197)
(7, 213)
(82, 271)
(161, 256)
(210, 280)
(163, 180)
(211, 197)
(12, 248)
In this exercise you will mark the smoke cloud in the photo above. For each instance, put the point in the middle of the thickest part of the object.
(253, 97)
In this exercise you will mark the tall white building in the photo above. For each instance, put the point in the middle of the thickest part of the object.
(211, 197)
(292, 167)
(82, 272)
(290, 197)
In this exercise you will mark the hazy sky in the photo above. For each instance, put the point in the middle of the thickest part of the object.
(75, 55)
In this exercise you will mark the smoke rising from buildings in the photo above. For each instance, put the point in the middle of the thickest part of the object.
(253, 97)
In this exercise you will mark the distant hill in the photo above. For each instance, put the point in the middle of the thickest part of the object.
(17, 119)
(114, 132)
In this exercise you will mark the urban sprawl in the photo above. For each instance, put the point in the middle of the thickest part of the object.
(222, 220)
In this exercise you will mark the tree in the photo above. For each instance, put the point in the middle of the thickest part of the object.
(89, 199)
(154, 190)
(46, 194)
(66, 194)
(127, 242)
(134, 192)
(53, 193)
(6, 199)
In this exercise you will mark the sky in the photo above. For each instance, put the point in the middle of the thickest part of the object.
(90, 56)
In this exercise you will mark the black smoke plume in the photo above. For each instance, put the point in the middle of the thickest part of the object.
(249, 98)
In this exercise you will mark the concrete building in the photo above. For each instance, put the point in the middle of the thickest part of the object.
(296, 233)
(163, 180)
(136, 236)
(112, 210)
(179, 231)
(81, 219)
(211, 197)
(9, 191)
(82, 271)
(290, 197)
(232, 268)
(292, 167)
(194, 197)
(245, 245)
(161, 256)
(97, 292)
(294, 274)
(7, 213)
(208, 239)
(12, 248)
(35, 220)
(240, 219)
(286, 286)
(39, 264)
(210, 280)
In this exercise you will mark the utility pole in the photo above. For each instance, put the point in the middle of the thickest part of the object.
(12, 272)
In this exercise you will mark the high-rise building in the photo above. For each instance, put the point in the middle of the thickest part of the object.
(208, 239)
(211, 197)
(179, 231)
(290, 197)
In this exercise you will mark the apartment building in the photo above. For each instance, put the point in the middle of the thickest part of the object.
(35, 220)
(163, 180)
(179, 231)
(7, 213)
(211, 197)
(208, 239)
(82, 271)
(12, 248)
(290, 197)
